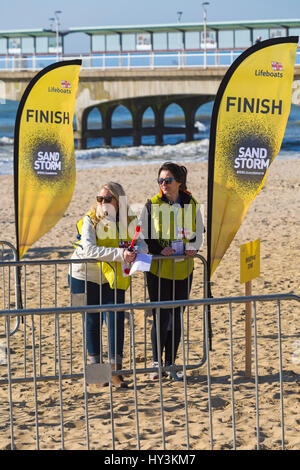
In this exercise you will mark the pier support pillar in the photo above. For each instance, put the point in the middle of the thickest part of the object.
(137, 106)
(136, 113)
(106, 119)
(81, 143)
(159, 124)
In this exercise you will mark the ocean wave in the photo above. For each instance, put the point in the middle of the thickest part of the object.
(200, 126)
(6, 140)
(109, 156)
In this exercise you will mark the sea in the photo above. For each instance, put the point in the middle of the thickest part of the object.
(121, 152)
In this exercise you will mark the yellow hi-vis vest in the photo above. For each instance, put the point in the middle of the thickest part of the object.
(108, 269)
(170, 225)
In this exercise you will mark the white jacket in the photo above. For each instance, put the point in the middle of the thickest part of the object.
(89, 249)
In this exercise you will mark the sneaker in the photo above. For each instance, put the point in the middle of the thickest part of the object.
(155, 375)
(95, 359)
(177, 376)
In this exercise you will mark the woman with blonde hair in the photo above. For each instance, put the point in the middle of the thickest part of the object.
(103, 234)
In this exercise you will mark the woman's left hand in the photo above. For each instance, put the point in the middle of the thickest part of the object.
(129, 256)
(190, 252)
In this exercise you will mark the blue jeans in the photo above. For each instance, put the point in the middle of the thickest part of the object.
(115, 320)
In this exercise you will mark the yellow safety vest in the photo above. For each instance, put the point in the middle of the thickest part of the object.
(170, 227)
(108, 269)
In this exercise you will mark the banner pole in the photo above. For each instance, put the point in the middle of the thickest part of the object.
(248, 335)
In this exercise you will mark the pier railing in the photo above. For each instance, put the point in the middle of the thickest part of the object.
(130, 60)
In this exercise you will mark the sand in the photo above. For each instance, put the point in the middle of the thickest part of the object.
(274, 218)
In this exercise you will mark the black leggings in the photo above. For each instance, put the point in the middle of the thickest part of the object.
(170, 325)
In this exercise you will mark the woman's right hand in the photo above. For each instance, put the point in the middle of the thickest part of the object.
(167, 251)
(129, 256)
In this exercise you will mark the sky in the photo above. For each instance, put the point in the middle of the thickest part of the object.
(27, 14)
(24, 14)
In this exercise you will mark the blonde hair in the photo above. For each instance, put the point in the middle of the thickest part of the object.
(116, 190)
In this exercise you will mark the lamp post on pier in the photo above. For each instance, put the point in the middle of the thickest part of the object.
(57, 24)
(181, 60)
(204, 5)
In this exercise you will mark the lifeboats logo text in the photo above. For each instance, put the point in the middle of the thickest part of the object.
(277, 69)
(65, 87)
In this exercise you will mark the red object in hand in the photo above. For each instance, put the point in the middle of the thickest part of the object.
(137, 231)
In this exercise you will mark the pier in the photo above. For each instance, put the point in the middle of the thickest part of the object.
(139, 68)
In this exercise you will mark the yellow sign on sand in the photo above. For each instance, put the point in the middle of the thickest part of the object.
(250, 261)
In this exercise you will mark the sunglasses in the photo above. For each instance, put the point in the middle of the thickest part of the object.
(104, 198)
(165, 180)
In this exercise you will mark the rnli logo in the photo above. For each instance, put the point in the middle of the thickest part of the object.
(66, 84)
(276, 66)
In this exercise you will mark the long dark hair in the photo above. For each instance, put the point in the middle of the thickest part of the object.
(178, 171)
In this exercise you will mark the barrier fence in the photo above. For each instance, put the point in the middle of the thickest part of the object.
(49, 393)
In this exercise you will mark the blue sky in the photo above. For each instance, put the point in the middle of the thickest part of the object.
(27, 14)
(23, 14)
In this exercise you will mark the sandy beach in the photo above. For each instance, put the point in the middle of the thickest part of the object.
(274, 218)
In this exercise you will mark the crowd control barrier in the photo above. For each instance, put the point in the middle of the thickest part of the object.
(50, 393)
(8, 252)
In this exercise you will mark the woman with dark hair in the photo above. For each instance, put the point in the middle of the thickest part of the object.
(169, 225)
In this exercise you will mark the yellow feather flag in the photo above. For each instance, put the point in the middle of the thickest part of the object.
(44, 161)
(248, 123)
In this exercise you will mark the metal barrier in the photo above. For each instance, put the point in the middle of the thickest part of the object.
(49, 383)
(7, 300)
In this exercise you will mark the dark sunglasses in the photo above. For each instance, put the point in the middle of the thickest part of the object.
(165, 180)
(104, 198)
